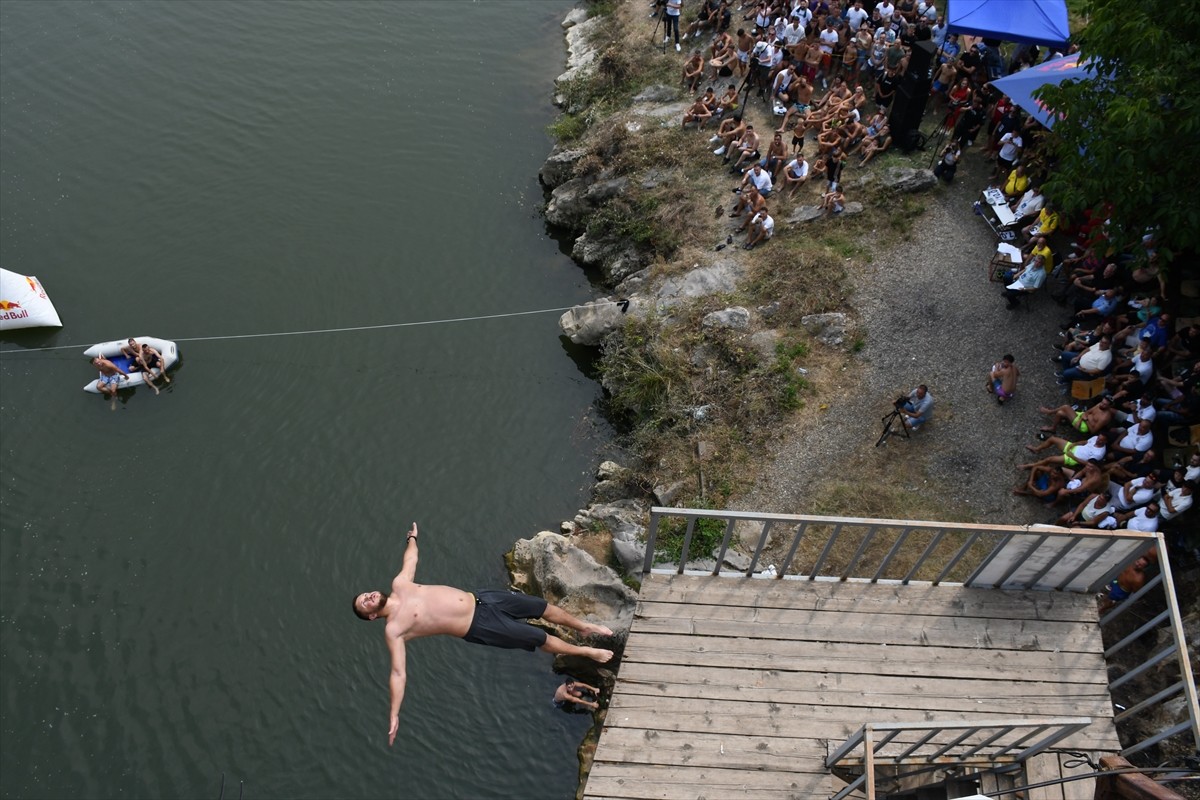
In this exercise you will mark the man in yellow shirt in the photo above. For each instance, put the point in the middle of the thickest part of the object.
(1038, 247)
(1045, 224)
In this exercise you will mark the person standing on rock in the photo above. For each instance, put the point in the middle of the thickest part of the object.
(413, 611)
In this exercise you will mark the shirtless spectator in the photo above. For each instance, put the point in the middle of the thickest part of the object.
(1071, 454)
(706, 17)
(872, 145)
(110, 377)
(413, 611)
(730, 130)
(801, 105)
(727, 103)
(1045, 483)
(749, 202)
(1002, 380)
(724, 61)
(698, 113)
(775, 158)
(151, 363)
(693, 72)
(834, 201)
(1088, 480)
(131, 350)
(746, 147)
(1092, 420)
(1129, 581)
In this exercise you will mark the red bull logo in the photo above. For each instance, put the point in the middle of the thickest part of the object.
(11, 310)
(38, 290)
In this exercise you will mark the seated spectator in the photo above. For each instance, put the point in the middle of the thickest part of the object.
(801, 104)
(1091, 363)
(759, 178)
(1091, 420)
(1136, 410)
(874, 144)
(1141, 519)
(1002, 380)
(1044, 483)
(1072, 454)
(727, 103)
(1038, 247)
(1177, 499)
(1029, 204)
(834, 200)
(776, 157)
(1091, 513)
(762, 228)
(698, 113)
(693, 72)
(1127, 468)
(1134, 494)
(1016, 183)
(1025, 281)
(1084, 482)
(1045, 224)
(746, 148)
(795, 174)
(749, 202)
(730, 130)
(1104, 305)
(1133, 441)
(1185, 345)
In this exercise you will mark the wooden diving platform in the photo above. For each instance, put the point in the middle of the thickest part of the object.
(734, 687)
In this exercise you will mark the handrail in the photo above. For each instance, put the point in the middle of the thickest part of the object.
(874, 751)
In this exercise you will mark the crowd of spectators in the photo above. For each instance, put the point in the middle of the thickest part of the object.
(826, 71)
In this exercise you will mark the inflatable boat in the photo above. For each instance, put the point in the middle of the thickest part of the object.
(24, 304)
(112, 351)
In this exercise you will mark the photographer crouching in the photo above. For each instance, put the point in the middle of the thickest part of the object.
(917, 408)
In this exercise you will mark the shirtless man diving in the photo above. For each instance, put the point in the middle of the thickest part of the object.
(493, 618)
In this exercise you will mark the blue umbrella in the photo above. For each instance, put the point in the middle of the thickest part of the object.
(1020, 86)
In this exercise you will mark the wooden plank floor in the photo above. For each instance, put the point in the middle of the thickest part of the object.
(732, 687)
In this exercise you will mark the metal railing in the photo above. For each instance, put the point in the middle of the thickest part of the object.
(1031, 557)
(988, 743)
(1168, 619)
(1043, 557)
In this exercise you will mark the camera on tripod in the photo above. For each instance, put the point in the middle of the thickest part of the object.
(900, 402)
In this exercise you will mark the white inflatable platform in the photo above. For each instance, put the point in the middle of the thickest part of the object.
(112, 351)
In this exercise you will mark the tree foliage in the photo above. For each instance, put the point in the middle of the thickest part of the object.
(1130, 136)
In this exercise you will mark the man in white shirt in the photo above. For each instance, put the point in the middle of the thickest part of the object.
(1091, 363)
(795, 174)
(671, 21)
(1176, 501)
(856, 16)
(1073, 454)
(828, 40)
(1030, 203)
(1134, 494)
(1136, 439)
(1011, 145)
(886, 9)
(1143, 519)
(760, 178)
(802, 13)
(762, 228)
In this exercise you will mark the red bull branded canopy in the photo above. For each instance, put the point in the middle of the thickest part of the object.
(24, 304)
(1034, 21)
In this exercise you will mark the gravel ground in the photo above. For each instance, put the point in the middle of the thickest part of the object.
(929, 315)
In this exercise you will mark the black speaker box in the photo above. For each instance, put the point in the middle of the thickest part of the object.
(908, 106)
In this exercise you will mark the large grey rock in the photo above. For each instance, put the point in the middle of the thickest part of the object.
(549, 566)
(600, 191)
(588, 324)
(656, 113)
(735, 318)
(665, 494)
(656, 93)
(739, 562)
(608, 470)
(853, 207)
(574, 17)
(622, 264)
(828, 328)
(907, 180)
(721, 276)
(581, 52)
(805, 214)
(560, 166)
(624, 519)
(630, 555)
(590, 251)
(568, 204)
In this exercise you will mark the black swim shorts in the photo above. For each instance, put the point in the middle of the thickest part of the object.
(496, 621)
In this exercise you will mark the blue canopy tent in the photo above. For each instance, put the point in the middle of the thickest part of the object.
(1035, 21)
(1020, 86)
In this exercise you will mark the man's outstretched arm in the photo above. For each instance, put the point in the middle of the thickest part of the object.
(396, 682)
(408, 572)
